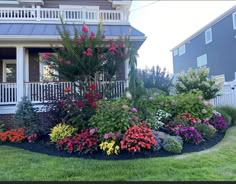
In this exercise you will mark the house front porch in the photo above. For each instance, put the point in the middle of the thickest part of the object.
(22, 74)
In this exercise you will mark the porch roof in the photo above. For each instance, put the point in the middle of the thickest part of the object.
(33, 30)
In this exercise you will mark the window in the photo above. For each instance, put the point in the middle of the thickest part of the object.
(202, 60)
(45, 71)
(9, 71)
(234, 20)
(182, 50)
(175, 53)
(208, 36)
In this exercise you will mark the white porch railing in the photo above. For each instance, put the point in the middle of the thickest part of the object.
(8, 93)
(39, 92)
(69, 15)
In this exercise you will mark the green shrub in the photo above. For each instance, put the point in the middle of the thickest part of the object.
(112, 116)
(173, 144)
(197, 80)
(61, 131)
(194, 105)
(229, 113)
(207, 131)
(2, 126)
(27, 117)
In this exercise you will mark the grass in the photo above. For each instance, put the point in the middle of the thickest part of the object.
(217, 163)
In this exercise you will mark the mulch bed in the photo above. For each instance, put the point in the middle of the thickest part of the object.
(45, 147)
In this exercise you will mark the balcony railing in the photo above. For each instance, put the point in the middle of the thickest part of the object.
(39, 92)
(79, 15)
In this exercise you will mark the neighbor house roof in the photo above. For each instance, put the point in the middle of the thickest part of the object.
(31, 31)
(225, 14)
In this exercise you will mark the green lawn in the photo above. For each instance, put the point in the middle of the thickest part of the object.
(217, 163)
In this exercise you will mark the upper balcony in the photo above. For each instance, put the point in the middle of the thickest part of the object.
(69, 15)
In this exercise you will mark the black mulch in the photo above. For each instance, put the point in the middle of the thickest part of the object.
(45, 147)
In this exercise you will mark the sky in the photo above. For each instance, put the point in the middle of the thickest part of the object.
(168, 23)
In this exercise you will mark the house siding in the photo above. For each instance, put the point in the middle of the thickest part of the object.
(103, 4)
(221, 55)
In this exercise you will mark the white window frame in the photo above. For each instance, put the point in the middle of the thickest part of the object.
(4, 63)
(208, 40)
(182, 50)
(41, 66)
(200, 64)
(175, 52)
(234, 20)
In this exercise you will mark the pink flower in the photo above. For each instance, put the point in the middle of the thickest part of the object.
(82, 37)
(103, 56)
(46, 56)
(85, 29)
(84, 53)
(78, 42)
(89, 52)
(60, 60)
(68, 62)
(91, 35)
(134, 110)
(106, 136)
(135, 118)
(92, 131)
(121, 45)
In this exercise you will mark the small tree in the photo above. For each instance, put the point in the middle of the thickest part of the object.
(156, 78)
(86, 55)
(26, 117)
(197, 80)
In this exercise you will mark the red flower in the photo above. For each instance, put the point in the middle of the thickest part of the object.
(85, 29)
(92, 87)
(67, 89)
(89, 52)
(68, 62)
(50, 66)
(80, 104)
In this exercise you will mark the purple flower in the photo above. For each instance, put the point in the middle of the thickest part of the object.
(134, 110)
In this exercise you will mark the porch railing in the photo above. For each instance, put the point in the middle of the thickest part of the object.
(71, 15)
(8, 93)
(39, 92)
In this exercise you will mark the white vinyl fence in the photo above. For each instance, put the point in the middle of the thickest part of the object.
(227, 97)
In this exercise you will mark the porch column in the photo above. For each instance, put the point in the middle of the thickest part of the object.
(127, 73)
(20, 59)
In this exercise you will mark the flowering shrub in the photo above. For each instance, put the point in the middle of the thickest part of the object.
(162, 115)
(32, 138)
(218, 122)
(190, 135)
(110, 147)
(75, 110)
(86, 54)
(13, 135)
(187, 119)
(61, 131)
(138, 138)
(113, 116)
(84, 142)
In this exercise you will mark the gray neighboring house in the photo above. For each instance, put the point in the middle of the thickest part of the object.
(213, 46)
(28, 28)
